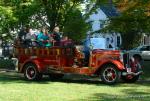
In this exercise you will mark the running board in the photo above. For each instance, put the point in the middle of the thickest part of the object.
(53, 70)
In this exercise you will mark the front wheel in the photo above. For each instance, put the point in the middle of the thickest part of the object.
(130, 78)
(110, 74)
(31, 72)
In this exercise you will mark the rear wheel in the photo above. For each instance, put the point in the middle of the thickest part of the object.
(130, 78)
(110, 74)
(31, 72)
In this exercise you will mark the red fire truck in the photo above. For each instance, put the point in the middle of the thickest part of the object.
(108, 65)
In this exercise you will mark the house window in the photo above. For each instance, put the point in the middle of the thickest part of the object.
(118, 41)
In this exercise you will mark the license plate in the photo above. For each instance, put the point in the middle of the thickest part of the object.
(128, 69)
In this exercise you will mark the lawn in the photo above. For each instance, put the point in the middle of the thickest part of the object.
(14, 88)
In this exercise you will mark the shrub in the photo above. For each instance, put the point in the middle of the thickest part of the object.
(6, 64)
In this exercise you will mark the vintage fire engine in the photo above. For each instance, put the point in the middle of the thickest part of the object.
(108, 65)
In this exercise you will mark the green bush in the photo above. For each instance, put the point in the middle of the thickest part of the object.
(6, 64)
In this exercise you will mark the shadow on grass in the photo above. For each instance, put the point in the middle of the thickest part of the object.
(146, 69)
(127, 95)
(9, 77)
(110, 97)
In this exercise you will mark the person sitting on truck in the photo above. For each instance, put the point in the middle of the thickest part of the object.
(56, 36)
(22, 33)
(43, 38)
(65, 41)
(21, 36)
(25, 37)
(28, 38)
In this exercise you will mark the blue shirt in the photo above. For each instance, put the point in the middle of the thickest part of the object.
(41, 38)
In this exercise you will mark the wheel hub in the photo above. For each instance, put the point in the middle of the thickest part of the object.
(109, 74)
(30, 72)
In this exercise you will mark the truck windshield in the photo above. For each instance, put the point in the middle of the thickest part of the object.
(95, 43)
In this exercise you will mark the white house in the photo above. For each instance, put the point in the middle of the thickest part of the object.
(103, 13)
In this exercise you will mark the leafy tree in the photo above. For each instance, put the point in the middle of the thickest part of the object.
(7, 18)
(75, 26)
(133, 22)
(51, 13)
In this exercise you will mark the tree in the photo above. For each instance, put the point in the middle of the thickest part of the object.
(75, 26)
(7, 19)
(54, 12)
(50, 13)
(133, 22)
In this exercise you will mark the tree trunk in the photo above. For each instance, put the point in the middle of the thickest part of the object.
(51, 12)
(130, 40)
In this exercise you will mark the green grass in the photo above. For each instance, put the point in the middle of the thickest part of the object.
(14, 88)
(146, 69)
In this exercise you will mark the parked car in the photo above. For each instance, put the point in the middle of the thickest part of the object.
(141, 53)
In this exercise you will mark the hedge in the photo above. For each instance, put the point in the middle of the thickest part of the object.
(6, 64)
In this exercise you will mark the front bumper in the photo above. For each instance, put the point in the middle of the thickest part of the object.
(132, 73)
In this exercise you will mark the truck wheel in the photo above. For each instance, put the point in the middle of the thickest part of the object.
(31, 72)
(54, 76)
(130, 79)
(109, 74)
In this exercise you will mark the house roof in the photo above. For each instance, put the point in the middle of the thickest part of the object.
(109, 10)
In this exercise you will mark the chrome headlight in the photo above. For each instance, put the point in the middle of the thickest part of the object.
(132, 59)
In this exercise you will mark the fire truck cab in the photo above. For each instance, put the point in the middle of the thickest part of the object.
(108, 65)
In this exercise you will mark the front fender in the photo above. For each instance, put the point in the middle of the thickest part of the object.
(40, 66)
(117, 63)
